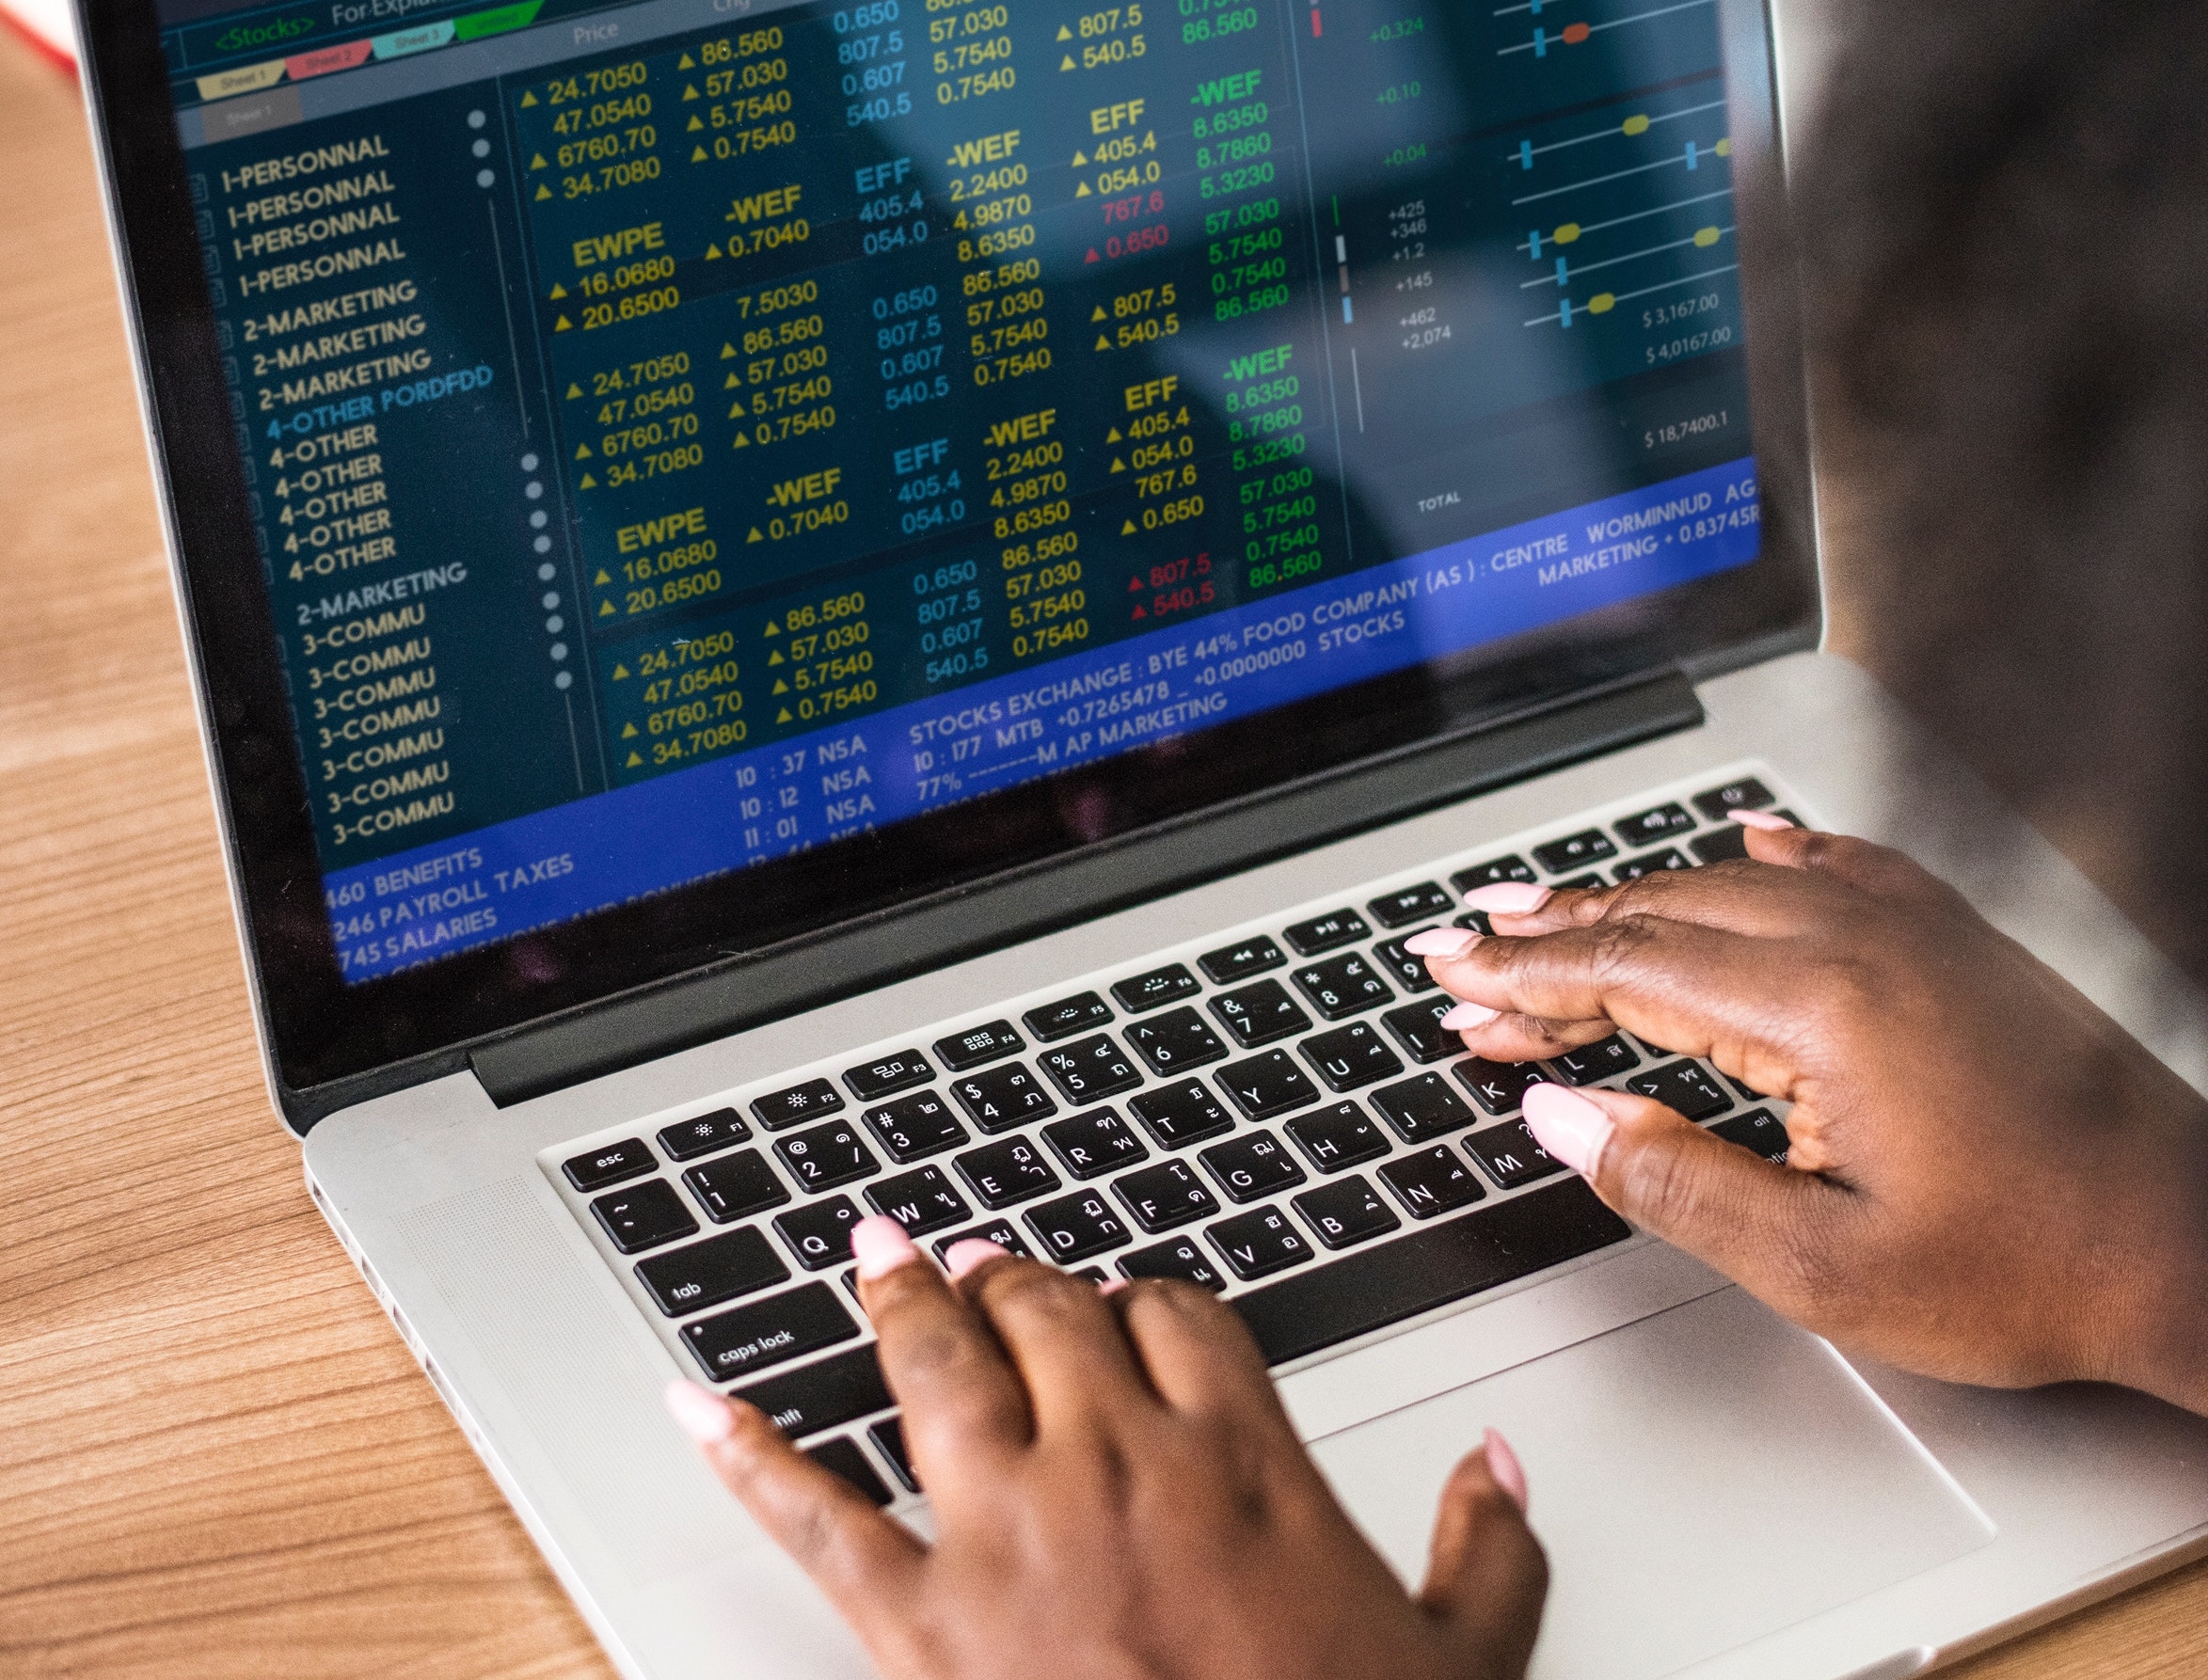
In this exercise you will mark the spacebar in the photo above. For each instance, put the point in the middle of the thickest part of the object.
(1318, 1307)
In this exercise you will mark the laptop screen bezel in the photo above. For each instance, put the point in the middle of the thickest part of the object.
(325, 1036)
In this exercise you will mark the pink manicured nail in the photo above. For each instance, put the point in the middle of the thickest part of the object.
(975, 1251)
(1441, 942)
(1769, 821)
(1568, 1126)
(1466, 1016)
(1502, 1464)
(703, 1414)
(1511, 897)
(881, 1246)
(1111, 1286)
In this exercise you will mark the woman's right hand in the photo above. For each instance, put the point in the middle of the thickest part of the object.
(1988, 1182)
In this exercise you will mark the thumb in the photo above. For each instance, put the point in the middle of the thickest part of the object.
(1770, 1228)
(1486, 1574)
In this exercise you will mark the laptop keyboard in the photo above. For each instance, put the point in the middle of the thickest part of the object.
(1273, 1114)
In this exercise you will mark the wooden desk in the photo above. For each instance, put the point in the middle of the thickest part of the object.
(215, 1459)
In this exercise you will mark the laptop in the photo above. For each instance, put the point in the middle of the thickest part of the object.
(900, 605)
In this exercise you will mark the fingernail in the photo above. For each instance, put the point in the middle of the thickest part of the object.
(1568, 1125)
(1111, 1286)
(703, 1414)
(1465, 1016)
(1511, 897)
(975, 1251)
(881, 1246)
(1502, 1464)
(1769, 821)
(1441, 942)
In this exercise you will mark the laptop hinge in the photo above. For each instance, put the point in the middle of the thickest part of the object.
(951, 927)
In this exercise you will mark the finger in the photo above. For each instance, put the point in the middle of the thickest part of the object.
(1773, 1229)
(1876, 869)
(1066, 1342)
(965, 1409)
(1486, 1574)
(1200, 1356)
(868, 1563)
(1739, 896)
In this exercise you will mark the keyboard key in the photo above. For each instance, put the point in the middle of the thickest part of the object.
(1580, 883)
(1172, 1042)
(1229, 963)
(1179, 1114)
(1747, 794)
(1477, 920)
(1430, 1183)
(1426, 1268)
(885, 1077)
(1418, 1028)
(1164, 1196)
(1004, 1173)
(826, 1156)
(686, 1140)
(1346, 1212)
(611, 1164)
(1687, 1087)
(915, 1127)
(737, 1262)
(1509, 1155)
(643, 1217)
(1574, 851)
(1092, 1142)
(1000, 1231)
(921, 1202)
(1648, 827)
(1266, 1084)
(1406, 969)
(978, 1044)
(1342, 986)
(819, 1234)
(1075, 1227)
(1499, 1087)
(1422, 1109)
(837, 1389)
(1327, 933)
(736, 1186)
(1333, 1139)
(1153, 990)
(1748, 1094)
(1004, 1098)
(847, 1459)
(1406, 905)
(1068, 1016)
(1594, 1061)
(889, 1439)
(1492, 873)
(1253, 1166)
(1258, 1244)
(1721, 846)
(769, 1332)
(1654, 863)
(779, 1110)
(1093, 1069)
(1181, 1258)
(1350, 1056)
(1259, 1014)
(1757, 1129)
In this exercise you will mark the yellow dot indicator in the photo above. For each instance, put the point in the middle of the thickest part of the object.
(1707, 236)
(1725, 147)
(574, 392)
(562, 325)
(1637, 124)
(1566, 234)
(713, 251)
(732, 383)
(1113, 436)
(773, 629)
(1601, 303)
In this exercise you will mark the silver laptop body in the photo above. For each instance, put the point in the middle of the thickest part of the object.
(614, 1136)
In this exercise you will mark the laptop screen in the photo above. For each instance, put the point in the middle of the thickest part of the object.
(695, 437)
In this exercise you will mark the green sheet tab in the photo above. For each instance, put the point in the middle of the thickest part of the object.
(477, 25)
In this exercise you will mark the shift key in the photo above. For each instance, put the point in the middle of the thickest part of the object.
(769, 1332)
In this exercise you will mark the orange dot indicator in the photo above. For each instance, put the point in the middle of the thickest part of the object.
(1576, 33)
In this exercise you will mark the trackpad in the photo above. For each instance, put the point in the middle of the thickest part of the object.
(1700, 1477)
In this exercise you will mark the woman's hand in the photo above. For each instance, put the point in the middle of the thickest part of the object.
(1988, 1181)
(1117, 1496)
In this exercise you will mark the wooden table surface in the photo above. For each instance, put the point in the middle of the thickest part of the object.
(215, 1458)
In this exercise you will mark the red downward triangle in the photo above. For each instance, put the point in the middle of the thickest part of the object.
(1092, 256)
